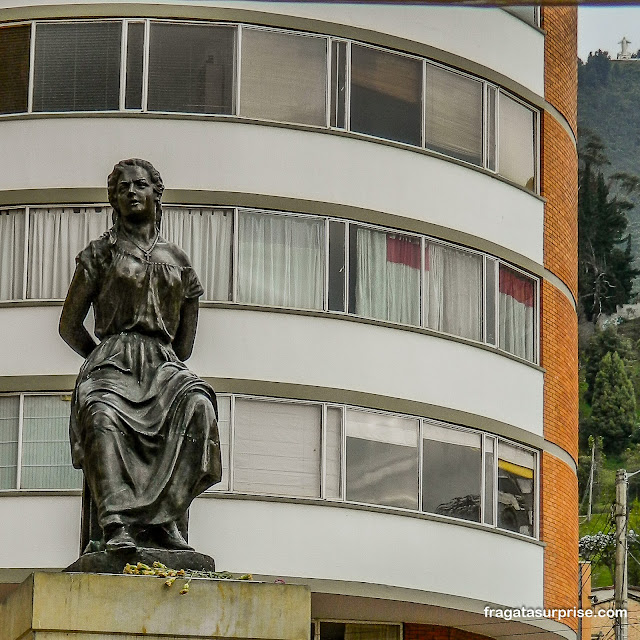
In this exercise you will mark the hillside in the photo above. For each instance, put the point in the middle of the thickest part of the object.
(608, 105)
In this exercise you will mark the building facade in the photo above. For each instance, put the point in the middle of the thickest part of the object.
(380, 201)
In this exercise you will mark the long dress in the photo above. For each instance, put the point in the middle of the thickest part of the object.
(143, 427)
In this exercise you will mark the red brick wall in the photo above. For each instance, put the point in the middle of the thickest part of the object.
(436, 632)
(559, 344)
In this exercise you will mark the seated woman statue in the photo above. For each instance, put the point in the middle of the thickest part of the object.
(143, 427)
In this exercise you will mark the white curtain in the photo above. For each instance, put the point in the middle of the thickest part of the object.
(9, 416)
(280, 260)
(516, 159)
(516, 313)
(387, 276)
(205, 235)
(11, 254)
(357, 631)
(276, 448)
(46, 455)
(453, 291)
(56, 236)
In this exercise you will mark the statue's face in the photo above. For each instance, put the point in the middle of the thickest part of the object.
(135, 195)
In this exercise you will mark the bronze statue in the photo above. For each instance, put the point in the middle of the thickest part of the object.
(143, 427)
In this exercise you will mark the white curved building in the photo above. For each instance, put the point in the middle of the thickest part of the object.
(380, 203)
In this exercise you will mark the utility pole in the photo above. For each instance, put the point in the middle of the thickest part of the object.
(592, 441)
(620, 577)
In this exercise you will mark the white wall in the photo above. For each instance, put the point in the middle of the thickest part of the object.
(516, 51)
(307, 541)
(324, 352)
(275, 161)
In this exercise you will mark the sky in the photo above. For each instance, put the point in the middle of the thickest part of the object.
(603, 28)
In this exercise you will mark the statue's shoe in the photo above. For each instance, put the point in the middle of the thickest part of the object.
(169, 537)
(121, 539)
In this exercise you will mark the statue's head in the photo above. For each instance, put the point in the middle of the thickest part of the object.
(154, 179)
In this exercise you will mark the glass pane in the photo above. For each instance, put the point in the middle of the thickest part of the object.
(451, 472)
(46, 453)
(280, 260)
(384, 269)
(517, 313)
(489, 469)
(77, 66)
(11, 253)
(382, 459)
(135, 63)
(206, 236)
(386, 94)
(9, 416)
(277, 448)
(516, 159)
(56, 236)
(338, 83)
(490, 305)
(333, 452)
(336, 265)
(14, 68)
(283, 77)
(191, 68)
(224, 421)
(491, 128)
(454, 115)
(516, 489)
(453, 291)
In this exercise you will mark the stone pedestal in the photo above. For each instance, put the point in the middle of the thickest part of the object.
(76, 606)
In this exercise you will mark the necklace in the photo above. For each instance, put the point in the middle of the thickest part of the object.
(146, 252)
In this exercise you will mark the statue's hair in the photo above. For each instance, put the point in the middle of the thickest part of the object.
(154, 176)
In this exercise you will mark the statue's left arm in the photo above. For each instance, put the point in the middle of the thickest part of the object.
(186, 333)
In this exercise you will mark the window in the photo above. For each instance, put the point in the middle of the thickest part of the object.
(206, 236)
(56, 236)
(454, 114)
(453, 291)
(9, 426)
(386, 94)
(333, 453)
(134, 65)
(280, 260)
(516, 489)
(384, 275)
(355, 631)
(14, 68)
(224, 431)
(382, 459)
(277, 448)
(452, 472)
(516, 313)
(46, 454)
(11, 253)
(283, 77)
(191, 68)
(516, 159)
(77, 66)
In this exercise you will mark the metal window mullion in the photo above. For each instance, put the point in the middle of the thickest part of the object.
(483, 479)
(232, 429)
(32, 64)
(496, 455)
(347, 257)
(323, 452)
(536, 149)
(238, 69)
(327, 85)
(536, 498)
(347, 84)
(343, 454)
(423, 281)
(235, 253)
(25, 257)
(484, 298)
(325, 298)
(123, 63)
(485, 125)
(420, 462)
(423, 132)
(536, 319)
(145, 64)
(20, 432)
(496, 116)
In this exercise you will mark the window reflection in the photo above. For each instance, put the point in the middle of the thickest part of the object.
(516, 489)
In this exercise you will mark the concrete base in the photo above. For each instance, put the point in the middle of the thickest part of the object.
(68, 606)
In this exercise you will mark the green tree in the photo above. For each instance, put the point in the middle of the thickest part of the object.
(613, 414)
(605, 271)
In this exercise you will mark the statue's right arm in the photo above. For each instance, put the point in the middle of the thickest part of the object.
(75, 309)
